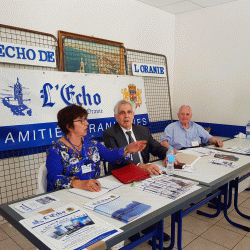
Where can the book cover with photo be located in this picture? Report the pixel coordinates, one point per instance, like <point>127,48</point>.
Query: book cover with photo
<point>118,208</point>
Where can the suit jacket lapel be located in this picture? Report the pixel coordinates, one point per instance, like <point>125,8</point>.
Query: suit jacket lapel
<point>121,138</point>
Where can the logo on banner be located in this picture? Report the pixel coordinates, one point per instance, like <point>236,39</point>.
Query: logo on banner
<point>133,95</point>
<point>15,101</point>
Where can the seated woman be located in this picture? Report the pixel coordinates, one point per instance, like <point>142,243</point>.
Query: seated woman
<point>73,161</point>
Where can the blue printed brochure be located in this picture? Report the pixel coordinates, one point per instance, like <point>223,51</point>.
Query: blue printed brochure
<point>118,208</point>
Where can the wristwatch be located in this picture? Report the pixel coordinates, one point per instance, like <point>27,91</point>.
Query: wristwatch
<point>71,180</point>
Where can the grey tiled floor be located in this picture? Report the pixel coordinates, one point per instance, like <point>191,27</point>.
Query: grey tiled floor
<point>199,233</point>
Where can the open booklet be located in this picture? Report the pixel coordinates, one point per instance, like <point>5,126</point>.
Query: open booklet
<point>106,187</point>
<point>70,227</point>
<point>116,207</point>
<point>166,186</point>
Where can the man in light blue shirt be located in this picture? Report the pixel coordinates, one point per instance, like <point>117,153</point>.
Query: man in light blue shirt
<point>185,133</point>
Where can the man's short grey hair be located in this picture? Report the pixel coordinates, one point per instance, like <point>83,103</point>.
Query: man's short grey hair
<point>184,106</point>
<point>122,102</point>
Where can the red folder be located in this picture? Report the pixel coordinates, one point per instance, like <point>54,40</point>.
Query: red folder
<point>130,173</point>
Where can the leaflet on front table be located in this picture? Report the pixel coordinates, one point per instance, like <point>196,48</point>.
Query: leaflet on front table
<point>70,227</point>
<point>106,186</point>
<point>116,207</point>
<point>42,201</point>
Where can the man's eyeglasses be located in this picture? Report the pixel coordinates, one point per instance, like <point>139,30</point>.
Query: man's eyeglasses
<point>82,121</point>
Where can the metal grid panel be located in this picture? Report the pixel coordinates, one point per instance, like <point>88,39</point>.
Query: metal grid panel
<point>19,168</point>
<point>157,92</point>
<point>27,37</point>
<point>84,56</point>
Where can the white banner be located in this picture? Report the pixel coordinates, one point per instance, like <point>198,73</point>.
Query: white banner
<point>24,54</point>
<point>142,69</point>
<point>31,99</point>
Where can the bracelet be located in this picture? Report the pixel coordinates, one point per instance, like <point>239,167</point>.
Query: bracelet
<point>71,180</point>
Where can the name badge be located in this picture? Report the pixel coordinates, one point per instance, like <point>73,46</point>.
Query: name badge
<point>195,143</point>
<point>86,168</point>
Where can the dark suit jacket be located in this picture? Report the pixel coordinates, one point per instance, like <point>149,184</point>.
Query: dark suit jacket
<point>115,138</point>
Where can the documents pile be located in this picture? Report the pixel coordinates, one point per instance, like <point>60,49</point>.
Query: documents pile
<point>166,186</point>
<point>116,207</point>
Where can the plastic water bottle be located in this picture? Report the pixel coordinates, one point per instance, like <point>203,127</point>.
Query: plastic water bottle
<point>170,162</point>
<point>248,130</point>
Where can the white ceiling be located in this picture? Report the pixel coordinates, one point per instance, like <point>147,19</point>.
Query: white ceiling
<point>178,6</point>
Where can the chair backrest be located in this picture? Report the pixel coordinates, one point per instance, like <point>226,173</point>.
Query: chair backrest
<point>42,179</point>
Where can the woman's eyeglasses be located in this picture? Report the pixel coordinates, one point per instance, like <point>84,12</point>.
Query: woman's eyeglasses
<point>82,121</point>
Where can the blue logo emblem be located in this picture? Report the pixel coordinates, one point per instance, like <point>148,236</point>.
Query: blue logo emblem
<point>14,99</point>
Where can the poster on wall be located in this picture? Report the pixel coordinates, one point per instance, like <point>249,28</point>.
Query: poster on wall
<point>30,101</point>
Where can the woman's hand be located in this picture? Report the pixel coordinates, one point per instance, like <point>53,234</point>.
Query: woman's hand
<point>134,147</point>
<point>91,185</point>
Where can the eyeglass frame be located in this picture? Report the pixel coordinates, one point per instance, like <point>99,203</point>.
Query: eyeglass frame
<point>82,121</point>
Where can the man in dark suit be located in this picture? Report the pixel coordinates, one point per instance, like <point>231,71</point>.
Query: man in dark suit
<point>116,137</point>
<point>121,134</point>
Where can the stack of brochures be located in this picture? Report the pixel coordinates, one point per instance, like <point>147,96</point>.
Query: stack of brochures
<point>116,207</point>
<point>166,186</point>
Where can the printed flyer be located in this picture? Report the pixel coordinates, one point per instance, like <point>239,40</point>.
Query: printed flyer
<point>70,227</point>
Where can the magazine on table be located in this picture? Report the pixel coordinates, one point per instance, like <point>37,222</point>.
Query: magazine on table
<point>106,186</point>
<point>116,207</point>
<point>37,203</point>
<point>166,186</point>
<point>70,227</point>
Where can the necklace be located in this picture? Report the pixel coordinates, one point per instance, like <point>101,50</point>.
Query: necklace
<point>74,146</point>
<point>78,145</point>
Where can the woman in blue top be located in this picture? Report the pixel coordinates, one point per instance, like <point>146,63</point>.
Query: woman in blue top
<point>73,161</point>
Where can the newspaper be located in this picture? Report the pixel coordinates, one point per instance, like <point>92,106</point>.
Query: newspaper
<point>69,227</point>
<point>116,207</point>
<point>166,186</point>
